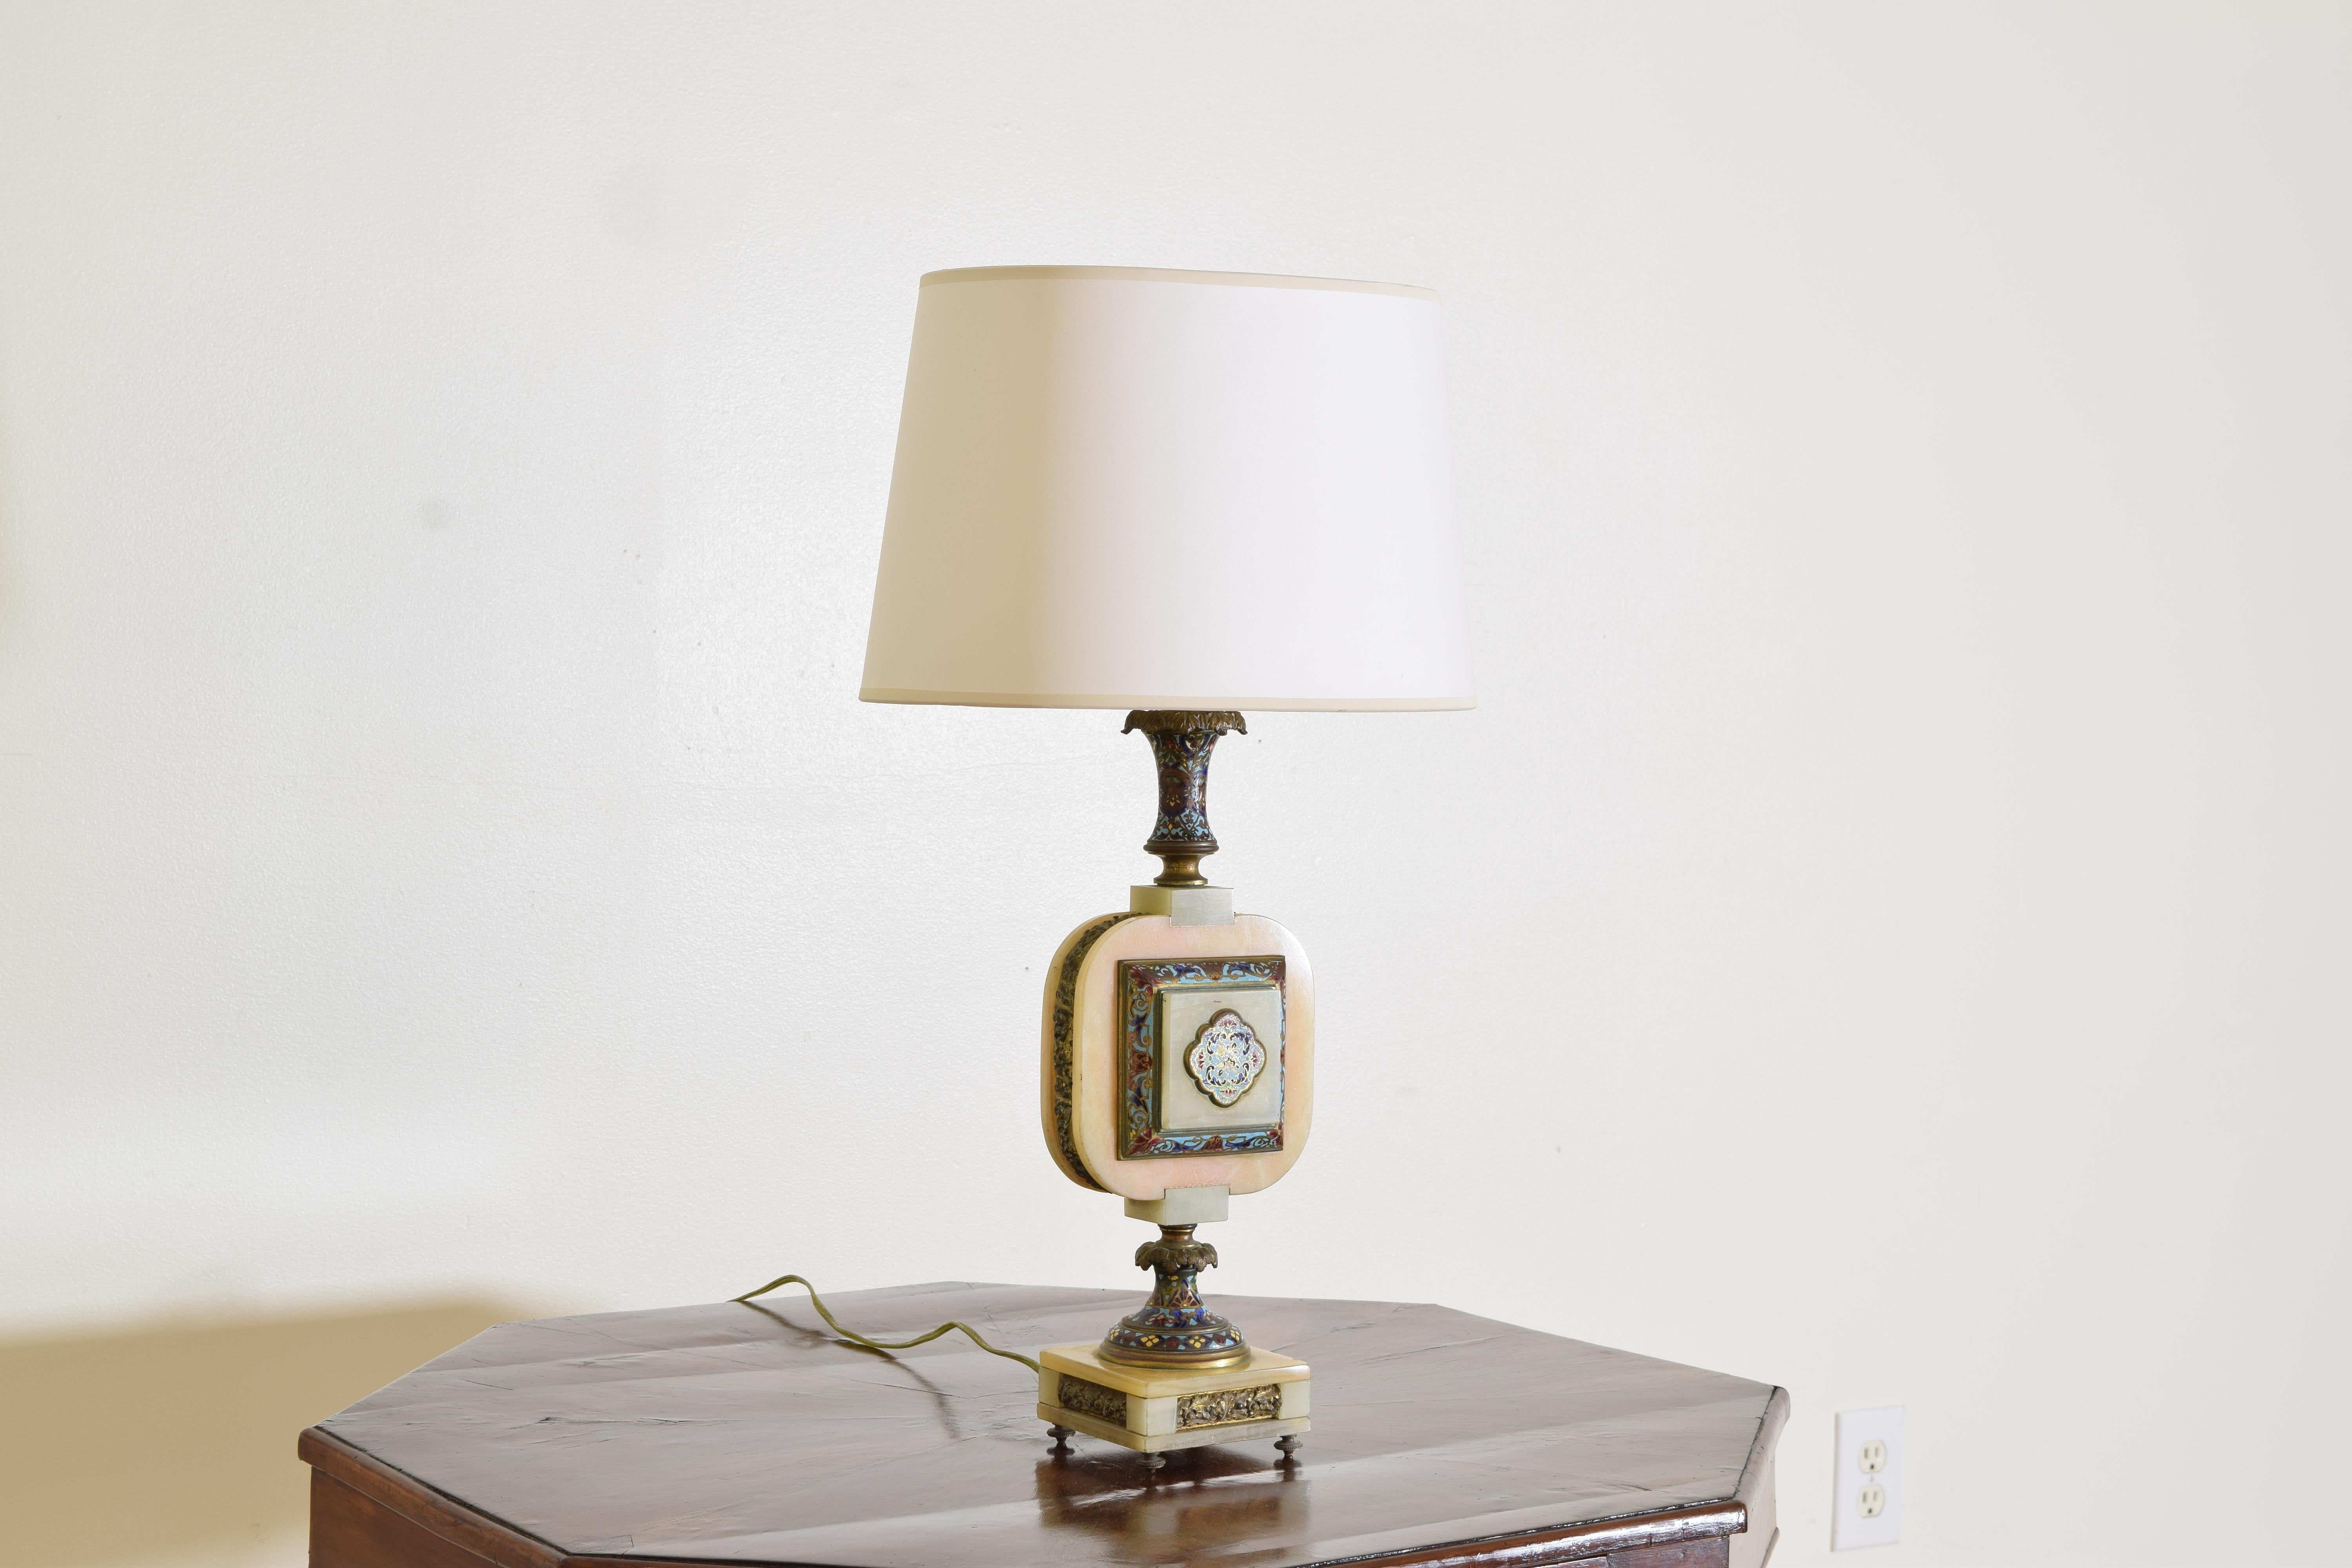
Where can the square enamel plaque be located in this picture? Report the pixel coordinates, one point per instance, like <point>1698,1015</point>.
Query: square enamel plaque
<point>1201,1057</point>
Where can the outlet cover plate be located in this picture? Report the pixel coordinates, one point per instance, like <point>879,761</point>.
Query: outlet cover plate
<point>1869,1456</point>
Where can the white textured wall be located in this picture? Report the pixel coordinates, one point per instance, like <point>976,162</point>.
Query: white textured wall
<point>1883,931</point>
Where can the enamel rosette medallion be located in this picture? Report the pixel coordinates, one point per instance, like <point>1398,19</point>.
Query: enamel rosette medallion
<point>1226,1058</point>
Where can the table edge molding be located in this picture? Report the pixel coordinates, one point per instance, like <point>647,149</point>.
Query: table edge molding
<point>459,1523</point>
<point>1587,1542</point>
<point>1760,1452</point>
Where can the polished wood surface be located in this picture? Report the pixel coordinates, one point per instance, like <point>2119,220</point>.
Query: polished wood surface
<point>737,1434</point>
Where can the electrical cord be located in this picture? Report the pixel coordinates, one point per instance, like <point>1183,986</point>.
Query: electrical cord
<point>853,1337</point>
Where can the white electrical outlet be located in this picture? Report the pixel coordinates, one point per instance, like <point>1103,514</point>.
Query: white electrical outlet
<point>1869,1507</point>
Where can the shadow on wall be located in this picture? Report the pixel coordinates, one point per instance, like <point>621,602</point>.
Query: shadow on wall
<point>178,1443</point>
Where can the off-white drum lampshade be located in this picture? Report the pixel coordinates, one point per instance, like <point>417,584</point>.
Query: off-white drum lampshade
<point>1124,487</point>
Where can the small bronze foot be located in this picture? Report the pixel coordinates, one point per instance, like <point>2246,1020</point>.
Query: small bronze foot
<point>1060,1436</point>
<point>1288,1443</point>
<point>1152,1463</point>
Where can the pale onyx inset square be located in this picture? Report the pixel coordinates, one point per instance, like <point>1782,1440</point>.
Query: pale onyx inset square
<point>1183,1011</point>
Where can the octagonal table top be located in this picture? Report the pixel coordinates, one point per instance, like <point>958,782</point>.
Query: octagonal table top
<point>736,1434</point>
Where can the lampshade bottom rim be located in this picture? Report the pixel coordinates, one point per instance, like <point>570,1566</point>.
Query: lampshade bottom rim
<point>1162,701</point>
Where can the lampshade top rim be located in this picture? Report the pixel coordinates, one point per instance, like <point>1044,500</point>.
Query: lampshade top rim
<point>1176,274</point>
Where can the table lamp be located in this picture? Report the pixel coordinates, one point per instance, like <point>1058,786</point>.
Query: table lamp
<point>1186,495</point>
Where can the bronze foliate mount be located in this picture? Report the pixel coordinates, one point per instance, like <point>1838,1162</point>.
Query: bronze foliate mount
<point>1173,1329</point>
<point>1181,740</point>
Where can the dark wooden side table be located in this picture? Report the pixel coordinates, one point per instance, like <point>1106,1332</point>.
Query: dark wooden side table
<point>742,1434</point>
